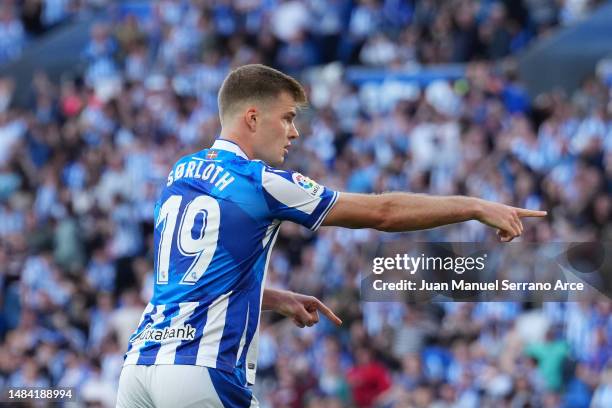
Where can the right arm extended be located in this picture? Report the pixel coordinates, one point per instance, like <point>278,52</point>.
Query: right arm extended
<point>394,212</point>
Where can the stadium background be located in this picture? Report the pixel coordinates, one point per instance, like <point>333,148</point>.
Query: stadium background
<point>421,96</point>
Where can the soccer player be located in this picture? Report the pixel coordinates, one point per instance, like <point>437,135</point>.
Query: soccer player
<point>215,225</point>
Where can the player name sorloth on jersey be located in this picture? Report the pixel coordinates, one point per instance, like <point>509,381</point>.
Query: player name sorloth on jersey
<point>186,332</point>
<point>199,169</point>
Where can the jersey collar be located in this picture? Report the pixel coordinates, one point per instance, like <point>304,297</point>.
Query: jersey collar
<point>222,144</point>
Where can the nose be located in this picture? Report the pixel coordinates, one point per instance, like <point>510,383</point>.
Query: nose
<point>293,132</point>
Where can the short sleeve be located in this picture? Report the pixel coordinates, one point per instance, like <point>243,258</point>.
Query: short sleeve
<point>294,197</point>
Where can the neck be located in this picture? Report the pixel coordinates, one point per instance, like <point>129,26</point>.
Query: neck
<point>232,136</point>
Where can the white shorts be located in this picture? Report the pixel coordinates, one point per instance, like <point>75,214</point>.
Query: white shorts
<point>181,386</point>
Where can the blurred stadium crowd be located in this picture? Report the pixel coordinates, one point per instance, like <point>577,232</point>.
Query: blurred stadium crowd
<point>81,167</point>
<point>23,21</point>
<point>314,31</point>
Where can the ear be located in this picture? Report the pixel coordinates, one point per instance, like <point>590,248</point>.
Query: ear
<point>251,116</point>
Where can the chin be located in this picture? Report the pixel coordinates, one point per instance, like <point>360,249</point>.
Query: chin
<point>274,162</point>
<point>279,161</point>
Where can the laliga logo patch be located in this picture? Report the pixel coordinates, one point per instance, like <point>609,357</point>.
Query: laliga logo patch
<point>310,186</point>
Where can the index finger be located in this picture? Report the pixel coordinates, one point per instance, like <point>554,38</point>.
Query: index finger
<point>328,313</point>
<point>522,212</point>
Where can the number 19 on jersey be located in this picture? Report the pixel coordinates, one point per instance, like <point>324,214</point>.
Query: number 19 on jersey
<point>201,247</point>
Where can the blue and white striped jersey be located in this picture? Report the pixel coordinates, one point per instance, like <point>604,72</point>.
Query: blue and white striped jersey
<point>215,226</point>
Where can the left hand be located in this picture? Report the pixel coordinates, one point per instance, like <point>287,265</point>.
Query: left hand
<point>505,218</point>
<point>304,310</point>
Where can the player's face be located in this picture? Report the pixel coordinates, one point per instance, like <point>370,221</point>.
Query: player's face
<point>276,130</point>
